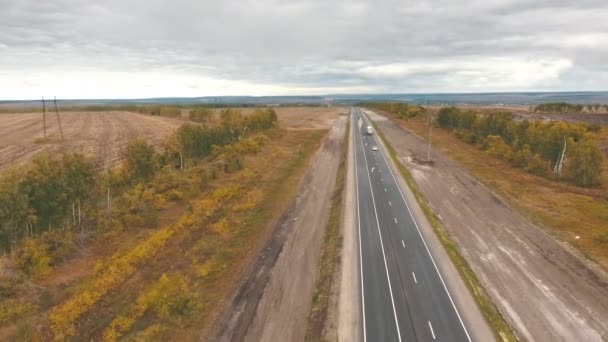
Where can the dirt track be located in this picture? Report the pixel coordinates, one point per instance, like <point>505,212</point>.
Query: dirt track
<point>545,292</point>
<point>273,302</point>
<point>98,134</point>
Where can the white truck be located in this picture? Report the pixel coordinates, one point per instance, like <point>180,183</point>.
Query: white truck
<point>369,130</point>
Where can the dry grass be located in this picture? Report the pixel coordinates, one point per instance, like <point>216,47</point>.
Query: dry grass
<point>565,210</point>
<point>210,256</point>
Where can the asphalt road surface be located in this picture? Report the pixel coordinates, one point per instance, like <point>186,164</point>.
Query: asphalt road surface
<point>404,298</point>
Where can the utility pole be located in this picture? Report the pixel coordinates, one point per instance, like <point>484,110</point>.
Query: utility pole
<point>44,117</point>
<point>58,119</point>
<point>428,153</point>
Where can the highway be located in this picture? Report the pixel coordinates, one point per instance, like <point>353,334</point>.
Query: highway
<point>403,296</point>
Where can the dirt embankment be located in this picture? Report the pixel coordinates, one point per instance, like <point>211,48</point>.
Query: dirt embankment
<point>273,301</point>
<point>545,292</point>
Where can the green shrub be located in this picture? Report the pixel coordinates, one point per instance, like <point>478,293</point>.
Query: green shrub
<point>34,259</point>
<point>584,163</point>
<point>139,160</point>
<point>201,115</point>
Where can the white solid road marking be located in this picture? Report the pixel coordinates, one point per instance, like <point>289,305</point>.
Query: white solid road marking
<point>414,275</point>
<point>427,249</point>
<point>432,332</point>
<point>384,189</point>
<point>359,226</point>
<point>403,243</point>
<point>390,288</point>
<point>395,219</point>
<point>373,168</point>
<point>389,203</point>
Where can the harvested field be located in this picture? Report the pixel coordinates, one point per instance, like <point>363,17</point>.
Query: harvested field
<point>103,134</point>
<point>309,117</point>
<point>98,134</point>
<point>303,117</point>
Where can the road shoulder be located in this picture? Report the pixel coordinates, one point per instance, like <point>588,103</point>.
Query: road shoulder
<point>349,304</point>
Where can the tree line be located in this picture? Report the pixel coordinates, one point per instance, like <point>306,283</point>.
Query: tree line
<point>401,109</point>
<point>167,111</point>
<point>59,195</point>
<point>196,141</point>
<point>556,150</point>
<point>564,107</point>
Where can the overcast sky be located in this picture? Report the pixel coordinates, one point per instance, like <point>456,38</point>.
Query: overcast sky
<point>153,48</point>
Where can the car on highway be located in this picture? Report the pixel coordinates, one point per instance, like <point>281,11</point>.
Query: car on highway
<point>375,148</point>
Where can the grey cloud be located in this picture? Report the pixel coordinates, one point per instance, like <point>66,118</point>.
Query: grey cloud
<point>318,44</point>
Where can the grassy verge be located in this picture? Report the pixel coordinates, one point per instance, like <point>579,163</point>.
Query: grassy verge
<point>219,258</point>
<point>497,323</point>
<point>330,257</point>
<point>169,281</point>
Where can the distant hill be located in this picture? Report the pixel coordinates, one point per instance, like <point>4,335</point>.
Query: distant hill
<point>521,98</point>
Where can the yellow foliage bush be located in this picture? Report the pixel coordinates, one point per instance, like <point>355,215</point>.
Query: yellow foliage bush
<point>220,227</point>
<point>116,270</point>
<point>249,201</point>
<point>225,193</point>
<point>207,268</point>
<point>204,270</point>
<point>166,296</point>
<point>260,138</point>
<point>147,334</point>
<point>108,275</point>
<point>204,207</point>
<point>34,258</point>
<point>175,194</point>
<point>11,309</point>
<point>245,176</point>
<point>159,201</point>
<point>247,146</point>
<point>186,221</point>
